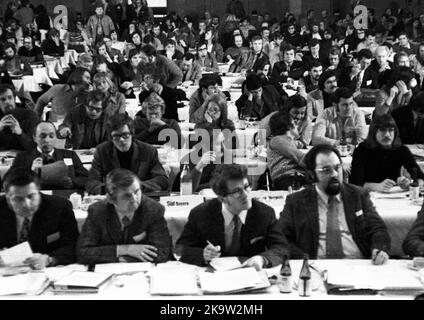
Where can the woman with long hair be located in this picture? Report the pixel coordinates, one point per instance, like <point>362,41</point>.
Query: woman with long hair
<point>114,101</point>
<point>213,46</point>
<point>377,162</point>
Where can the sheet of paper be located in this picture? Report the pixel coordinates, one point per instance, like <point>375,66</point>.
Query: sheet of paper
<point>29,283</point>
<point>225,263</point>
<point>123,268</point>
<point>168,282</point>
<point>16,255</point>
<point>57,273</point>
<point>83,279</point>
<point>228,281</point>
<point>394,193</point>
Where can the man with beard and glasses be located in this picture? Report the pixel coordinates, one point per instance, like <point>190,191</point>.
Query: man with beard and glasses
<point>331,219</point>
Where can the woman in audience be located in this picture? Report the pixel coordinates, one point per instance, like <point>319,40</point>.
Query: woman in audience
<point>128,74</point>
<point>213,46</point>
<point>114,101</point>
<point>397,92</point>
<point>283,156</point>
<point>377,162</point>
<point>136,42</point>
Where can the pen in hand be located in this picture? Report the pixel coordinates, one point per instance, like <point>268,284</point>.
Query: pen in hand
<point>215,248</point>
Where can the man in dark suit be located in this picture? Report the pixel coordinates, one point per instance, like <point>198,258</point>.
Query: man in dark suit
<point>16,124</point>
<point>332,219</point>
<point>85,125</point>
<point>192,70</point>
<point>46,154</point>
<point>313,55</point>
<point>288,68</point>
<point>125,227</point>
<point>124,152</point>
<point>46,222</point>
<point>233,225</point>
<point>257,100</point>
<point>410,120</point>
<point>247,60</point>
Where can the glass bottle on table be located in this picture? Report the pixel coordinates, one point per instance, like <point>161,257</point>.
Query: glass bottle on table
<point>186,181</point>
<point>414,187</point>
<point>304,284</point>
<point>343,144</point>
<point>285,279</point>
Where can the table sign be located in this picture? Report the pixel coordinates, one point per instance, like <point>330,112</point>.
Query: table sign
<point>181,202</point>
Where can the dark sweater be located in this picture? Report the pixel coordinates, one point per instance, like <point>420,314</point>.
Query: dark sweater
<point>125,158</point>
<point>376,165</point>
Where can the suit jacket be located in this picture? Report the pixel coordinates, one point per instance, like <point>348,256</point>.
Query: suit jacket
<point>260,235</point>
<point>369,80</point>
<point>210,63</point>
<point>413,244</point>
<point>300,222</point>
<point>296,71</point>
<point>75,120</point>
<point>404,119</point>
<point>145,164</point>
<point>92,24</point>
<point>101,232</point>
<point>27,120</point>
<point>271,102</point>
<point>194,74</point>
<point>142,133</point>
<point>53,230</point>
<point>76,172</point>
<point>247,60</point>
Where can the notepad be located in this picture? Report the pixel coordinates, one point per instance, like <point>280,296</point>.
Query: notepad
<point>16,255</point>
<point>225,263</point>
<point>23,284</point>
<point>123,268</point>
<point>87,282</point>
<point>170,282</point>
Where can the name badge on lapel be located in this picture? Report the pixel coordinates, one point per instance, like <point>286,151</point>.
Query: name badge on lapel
<point>53,237</point>
<point>369,82</point>
<point>68,161</point>
<point>358,213</point>
<point>139,237</point>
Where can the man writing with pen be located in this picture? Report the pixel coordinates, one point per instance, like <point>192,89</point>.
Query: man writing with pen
<point>233,224</point>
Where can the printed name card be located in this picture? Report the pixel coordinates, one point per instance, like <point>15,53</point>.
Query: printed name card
<point>181,202</point>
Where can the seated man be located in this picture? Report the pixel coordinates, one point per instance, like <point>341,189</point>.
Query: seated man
<point>208,86</point>
<point>381,62</point>
<point>205,59</point>
<point>404,44</point>
<point>149,123</point>
<point>53,46</point>
<point>170,51</point>
<point>16,124</point>
<point>369,42</point>
<point>413,245</point>
<point>246,60</point>
<point>257,100</point>
<point>311,80</point>
<point>233,225</point>
<point>31,51</point>
<point>321,98</point>
<point>343,121</point>
<point>46,154</point>
<point>85,125</point>
<point>314,54</point>
<point>192,71</point>
<point>335,60</point>
<point>124,152</point>
<point>288,68</point>
<point>14,64</point>
<point>126,227</point>
<point>46,222</point>
<point>332,219</point>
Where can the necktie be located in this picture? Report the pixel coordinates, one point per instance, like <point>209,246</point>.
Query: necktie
<point>24,234</point>
<point>419,131</point>
<point>334,247</point>
<point>235,240</point>
<point>125,226</point>
<point>47,159</point>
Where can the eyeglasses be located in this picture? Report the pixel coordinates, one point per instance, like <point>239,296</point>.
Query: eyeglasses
<point>239,191</point>
<point>125,136</point>
<point>329,170</point>
<point>98,110</point>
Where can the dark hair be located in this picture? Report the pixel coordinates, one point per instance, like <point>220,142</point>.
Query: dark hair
<point>324,77</point>
<point>311,156</point>
<point>117,121</point>
<point>201,43</point>
<point>224,173</point>
<point>9,45</point>
<point>149,50</point>
<point>148,38</point>
<point>139,34</point>
<point>280,123</point>
<point>400,74</point>
<point>119,179</point>
<point>315,64</point>
<point>397,57</point>
<point>378,123</point>
<point>295,101</point>
<point>76,76</point>
<point>335,50</point>
<point>188,56</point>
<point>364,53</point>
<point>169,41</point>
<point>205,82</point>
<point>342,92</point>
<point>313,43</point>
<point>402,33</point>
<point>255,38</point>
<point>94,96</point>
<point>369,32</point>
<point>53,33</point>
<point>20,177</point>
<point>4,87</point>
<point>253,82</point>
<point>132,53</point>
<point>287,47</point>
<point>387,44</point>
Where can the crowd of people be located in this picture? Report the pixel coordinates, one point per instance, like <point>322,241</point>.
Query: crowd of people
<point>124,53</point>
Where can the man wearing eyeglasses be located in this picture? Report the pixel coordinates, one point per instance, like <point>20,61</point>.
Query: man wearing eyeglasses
<point>233,224</point>
<point>58,168</point>
<point>85,125</point>
<point>125,152</point>
<point>331,219</point>
<point>206,60</point>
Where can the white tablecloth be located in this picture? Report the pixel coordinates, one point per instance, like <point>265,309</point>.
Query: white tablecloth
<point>27,83</point>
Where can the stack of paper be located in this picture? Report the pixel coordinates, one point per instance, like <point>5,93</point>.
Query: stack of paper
<point>16,255</point>
<point>123,268</point>
<point>235,281</point>
<point>225,263</point>
<point>169,282</point>
<point>59,272</point>
<point>24,284</point>
<point>81,282</point>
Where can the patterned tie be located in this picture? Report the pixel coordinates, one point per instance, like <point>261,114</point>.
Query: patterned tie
<point>47,159</point>
<point>334,247</point>
<point>25,229</point>
<point>235,240</point>
<point>125,227</point>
